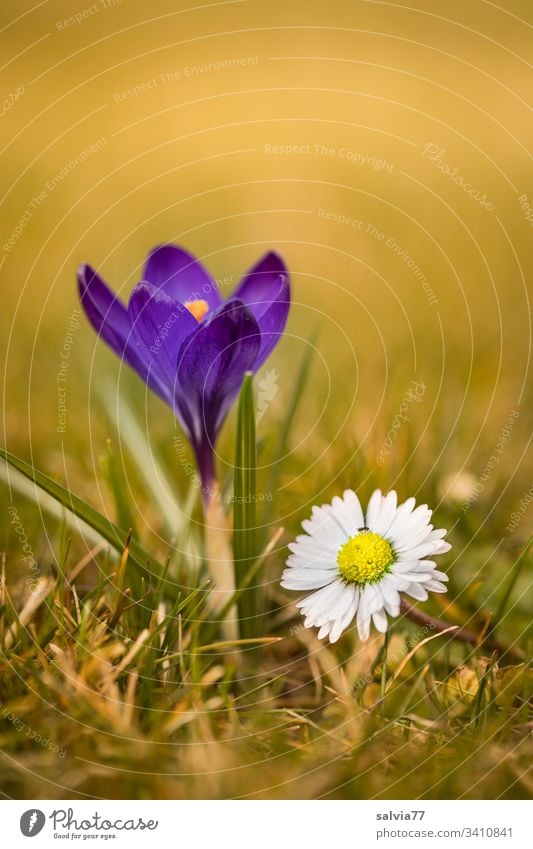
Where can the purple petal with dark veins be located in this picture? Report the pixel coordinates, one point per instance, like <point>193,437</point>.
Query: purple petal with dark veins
<point>160,325</point>
<point>266,292</point>
<point>211,366</point>
<point>181,276</point>
<point>110,319</point>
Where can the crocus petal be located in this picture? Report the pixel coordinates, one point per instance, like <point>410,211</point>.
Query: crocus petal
<point>211,366</point>
<point>110,319</point>
<point>160,326</point>
<point>181,276</point>
<point>266,292</point>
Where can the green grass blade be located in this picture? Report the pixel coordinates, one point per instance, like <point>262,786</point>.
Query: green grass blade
<point>244,491</point>
<point>115,536</point>
<point>17,482</point>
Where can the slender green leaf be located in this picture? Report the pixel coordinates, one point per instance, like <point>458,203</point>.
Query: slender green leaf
<point>16,481</point>
<point>244,495</point>
<point>115,536</point>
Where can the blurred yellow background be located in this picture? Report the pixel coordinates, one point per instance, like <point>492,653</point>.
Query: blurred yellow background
<point>380,147</point>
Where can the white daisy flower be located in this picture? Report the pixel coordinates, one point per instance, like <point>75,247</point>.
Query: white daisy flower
<point>359,566</point>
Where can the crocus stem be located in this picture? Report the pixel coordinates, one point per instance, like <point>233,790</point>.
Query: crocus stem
<point>206,466</point>
<point>217,548</point>
<point>219,558</point>
<point>463,634</point>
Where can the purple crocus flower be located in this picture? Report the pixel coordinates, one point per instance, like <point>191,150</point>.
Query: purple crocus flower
<point>188,346</point>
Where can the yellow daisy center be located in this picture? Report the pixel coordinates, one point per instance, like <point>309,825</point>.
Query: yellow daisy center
<point>197,308</point>
<point>365,558</point>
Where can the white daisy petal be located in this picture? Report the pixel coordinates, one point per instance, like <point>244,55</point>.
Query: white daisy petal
<point>382,522</point>
<point>374,508</point>
<point>336,631</point>
<point>307,544</point>
<point>418,534</point>
<point>322,596</point>
<point>442,547</point>
<point>439,576</point>
<point>306,579</point>
<point>354,506</point>
<point>341,614</point>
<point>391,597</point>
<point>438,534</point>
<point>399,583</point>
<point>413,566</point>
<point>417,577</point>
<point>347,512</point>
<point>420,551</point>
<point>351,611</point>
<point>402,566</point>
<point>336,608</point>
<point>417,591</point>
<point>324,631</point>
<point>302,561</point>
<point>316,606</point>
<point>373,598</point>
<point>322,526</point>
<point>401,518</point>
<point>380,620</point>
<point>363,621</point>
<point>436,586</point>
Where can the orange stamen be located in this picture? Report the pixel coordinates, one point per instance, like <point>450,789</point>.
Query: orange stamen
<point>197,308</point>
